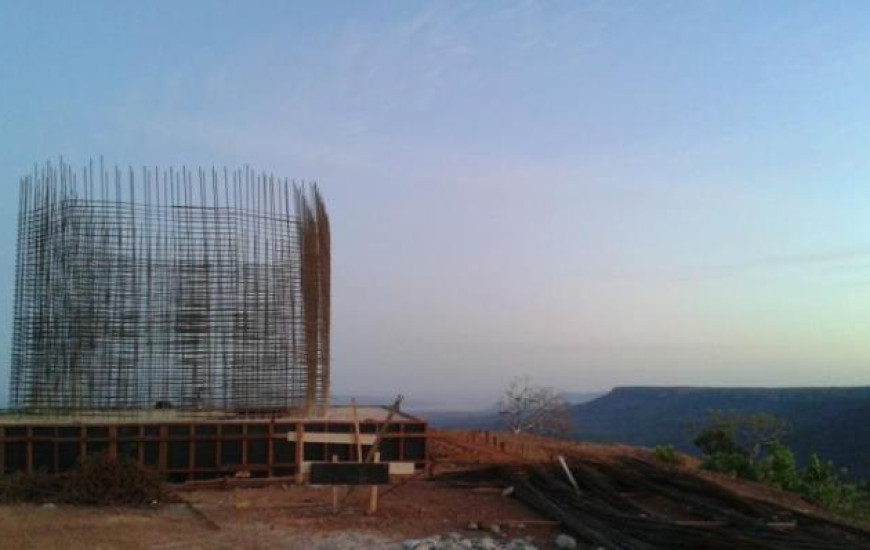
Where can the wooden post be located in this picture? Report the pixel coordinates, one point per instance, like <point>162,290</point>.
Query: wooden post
<point>270,456</point>
<point>383,429</point>
<point>29,447</point>
<point>373,495</point>
<point>113,442</point>
<point>356,437</point>
<point>568,473</point>
<point>334,490</point>
<point>300,448</point>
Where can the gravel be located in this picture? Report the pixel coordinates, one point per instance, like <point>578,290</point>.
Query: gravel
<point>455,541</point>
<point>564,542</point>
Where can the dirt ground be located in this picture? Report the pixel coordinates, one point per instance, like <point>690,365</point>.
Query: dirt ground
<point>279,516</point>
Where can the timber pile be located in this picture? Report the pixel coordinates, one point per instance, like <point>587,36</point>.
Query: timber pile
<point>635,504</point>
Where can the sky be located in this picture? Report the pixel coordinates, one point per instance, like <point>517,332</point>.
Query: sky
<point>591,193</point>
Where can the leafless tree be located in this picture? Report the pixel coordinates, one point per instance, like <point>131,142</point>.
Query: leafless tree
<point>527,408</point>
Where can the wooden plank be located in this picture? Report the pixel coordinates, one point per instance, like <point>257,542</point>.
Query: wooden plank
<point>333,438</point>
<point>401,468</point>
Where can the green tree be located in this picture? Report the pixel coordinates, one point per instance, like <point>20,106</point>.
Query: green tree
<point>752,432</point>
<point>721,449</point>
<point>779,467</point>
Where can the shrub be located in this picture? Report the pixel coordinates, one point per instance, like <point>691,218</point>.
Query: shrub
<point>99,481</point>
<point>732,464</point>
<point>668,454</point>
<point>779,467</point>
<point>823,483</point>
<point>36,488</point>
<point>104,482</point>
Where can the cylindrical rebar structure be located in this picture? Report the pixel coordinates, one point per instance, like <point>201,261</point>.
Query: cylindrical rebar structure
<point>198,289</point>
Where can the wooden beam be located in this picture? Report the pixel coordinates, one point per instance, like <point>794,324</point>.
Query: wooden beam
<point>335,491</point>
<point>393,410</point>
<point>300,451</point>
<point>356,436</point>
<point>334,438</point>
<point>373,494</point>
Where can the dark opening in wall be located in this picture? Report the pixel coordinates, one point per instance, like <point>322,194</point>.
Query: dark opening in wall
<point>178,455</point>
<point>283,451</point>
<point>68,455</point>
<point>231,452</point>
<point>415,449</point>
<point>96,448</point>
<point>15,456</point>
<point>206,454</point>
<point>258,451</point>
<point>151,454</point>
<point>43,457</point>
<point>389,449</point>
<point>128,450</point>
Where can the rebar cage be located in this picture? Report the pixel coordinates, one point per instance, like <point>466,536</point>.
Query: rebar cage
<point>199,289</point>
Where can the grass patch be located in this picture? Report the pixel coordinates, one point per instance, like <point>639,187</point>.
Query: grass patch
<point>668,454</point>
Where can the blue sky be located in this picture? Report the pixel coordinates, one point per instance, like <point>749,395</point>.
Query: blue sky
<point>590,192</point>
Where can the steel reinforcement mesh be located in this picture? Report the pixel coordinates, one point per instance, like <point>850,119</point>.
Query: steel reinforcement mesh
<point>197,289</point>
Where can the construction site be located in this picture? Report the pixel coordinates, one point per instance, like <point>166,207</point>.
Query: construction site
<point>179,320</point>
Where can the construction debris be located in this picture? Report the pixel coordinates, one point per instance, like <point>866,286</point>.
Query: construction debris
<point>622,498</point>
<point>637,505</point>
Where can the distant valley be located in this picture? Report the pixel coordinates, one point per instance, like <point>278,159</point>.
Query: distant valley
<point>833,422</point>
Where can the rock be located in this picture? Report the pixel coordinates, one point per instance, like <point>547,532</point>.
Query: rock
<point>466,543</point>
<point>487,543</point>
<point>472,526</point>
<point>49,505</point>
<point>454,536</point>
<point>495,529</point>
<point>508,492</point>
<point>565,542</point>
<point>410,544</point>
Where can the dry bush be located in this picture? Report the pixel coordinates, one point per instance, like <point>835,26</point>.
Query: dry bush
<point>98,481</point>
<point>35,488</point>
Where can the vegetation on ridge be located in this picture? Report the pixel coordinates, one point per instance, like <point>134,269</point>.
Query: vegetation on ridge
<point>748,446</point>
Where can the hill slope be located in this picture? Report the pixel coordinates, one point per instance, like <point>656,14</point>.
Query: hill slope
<point>834,422</point>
